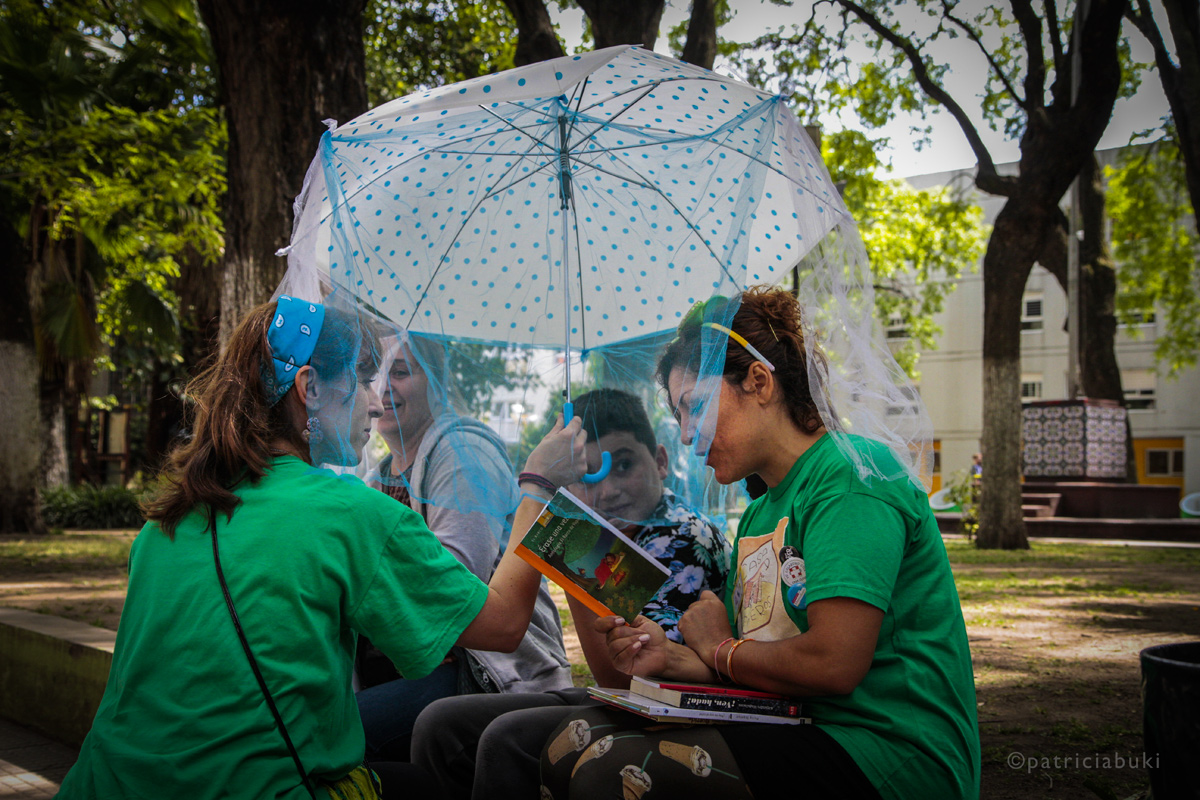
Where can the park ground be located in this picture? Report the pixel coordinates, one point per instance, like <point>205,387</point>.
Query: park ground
<point>1055,634</point>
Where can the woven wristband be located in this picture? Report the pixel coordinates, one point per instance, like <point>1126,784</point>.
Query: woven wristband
<point>716,658</point>
<point>536,480</point>
<point>729,659</point>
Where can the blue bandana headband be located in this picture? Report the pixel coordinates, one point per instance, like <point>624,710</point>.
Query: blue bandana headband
<point>292,338</point>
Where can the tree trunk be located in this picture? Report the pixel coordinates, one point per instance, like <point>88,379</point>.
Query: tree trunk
<point>20,446</point>
<point>62,448</point>
<point>20,443</point>
<point>701,45</point>
<point>1099,372</point>
<point>199,293</point>
<point>536,40</point>
<point>284,68</point>
<point>1006,267</point>
<point>624,21</point>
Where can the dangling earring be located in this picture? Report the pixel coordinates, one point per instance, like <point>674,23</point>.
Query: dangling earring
<point>312,431</point>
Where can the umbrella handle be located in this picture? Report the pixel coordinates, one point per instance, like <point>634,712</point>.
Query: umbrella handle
<point>605,456</point>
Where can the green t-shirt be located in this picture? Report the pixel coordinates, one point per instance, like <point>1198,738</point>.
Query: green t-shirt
<point>911,724</point>
<point>310,559</point>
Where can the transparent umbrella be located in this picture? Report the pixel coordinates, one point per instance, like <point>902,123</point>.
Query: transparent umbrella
<point>582,204</point>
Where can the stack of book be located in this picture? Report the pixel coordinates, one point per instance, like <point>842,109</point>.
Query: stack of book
<point>675,701</point>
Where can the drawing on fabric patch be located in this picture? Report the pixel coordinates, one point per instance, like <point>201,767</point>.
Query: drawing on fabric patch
<point>758,574</point>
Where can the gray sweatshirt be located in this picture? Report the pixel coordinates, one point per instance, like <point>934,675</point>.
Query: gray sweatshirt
<point>463,486</point>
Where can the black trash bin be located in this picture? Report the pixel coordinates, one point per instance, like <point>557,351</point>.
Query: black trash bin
<point>1171,719</point>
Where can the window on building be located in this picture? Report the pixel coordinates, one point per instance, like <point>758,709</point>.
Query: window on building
<point>1164,463</point>
<point>912,394</point>
<point>1031,313</point>
<point>896,329</point>
<point>1133,319</point>
<point>1031,387</point>
<point>1141,388</point>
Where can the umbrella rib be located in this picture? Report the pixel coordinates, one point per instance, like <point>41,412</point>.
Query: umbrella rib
<point>363,185</point>
<point>518,129</point>
<point>724,146</point>
<point>500,189</point>
<point>579,92</point>
<point>646,185</point>
<point>609,121</point>
<point>457,234</point>
<point>630,90</point>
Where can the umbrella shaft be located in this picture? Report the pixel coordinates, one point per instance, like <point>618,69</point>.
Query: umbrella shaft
<point>564,163</point>
<point>564,177</point>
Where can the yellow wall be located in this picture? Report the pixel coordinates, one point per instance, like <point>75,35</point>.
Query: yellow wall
<point>1140,446</point>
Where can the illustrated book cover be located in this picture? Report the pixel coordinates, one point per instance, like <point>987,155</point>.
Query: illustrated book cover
<point>661,712</point>
<point>590,559</point>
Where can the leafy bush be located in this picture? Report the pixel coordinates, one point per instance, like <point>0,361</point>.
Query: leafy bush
<point>96,507</point>
<point>963,491</point>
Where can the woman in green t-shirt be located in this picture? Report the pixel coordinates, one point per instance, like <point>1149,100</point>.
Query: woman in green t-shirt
<point>841,594</point>
<point>258,568</point>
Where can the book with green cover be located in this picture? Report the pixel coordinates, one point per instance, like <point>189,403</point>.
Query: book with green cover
<point>590,559</point>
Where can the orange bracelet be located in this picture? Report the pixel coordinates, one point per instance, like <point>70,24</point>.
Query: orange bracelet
<point>729,659</point>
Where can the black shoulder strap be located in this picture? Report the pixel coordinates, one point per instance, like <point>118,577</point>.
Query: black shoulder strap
<point>262,683</point>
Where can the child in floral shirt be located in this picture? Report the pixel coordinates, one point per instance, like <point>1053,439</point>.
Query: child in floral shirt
<point>489,741</point>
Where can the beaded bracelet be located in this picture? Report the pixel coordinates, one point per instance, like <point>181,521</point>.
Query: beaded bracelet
<point>536,480</point>
<point>716,659</point>
<point>729,659</point>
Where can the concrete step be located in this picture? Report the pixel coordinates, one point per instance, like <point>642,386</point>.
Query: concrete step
<point>52,673</point>
<point>1036,510</point>
<point>1049,500</point>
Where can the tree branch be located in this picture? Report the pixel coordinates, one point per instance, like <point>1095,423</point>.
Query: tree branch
<point>1181,83</point>
<point>1054,30</point>
<point>973,35</point>
<point>1031,32</point>
<point>987,179</point>
<point>1100,71</point>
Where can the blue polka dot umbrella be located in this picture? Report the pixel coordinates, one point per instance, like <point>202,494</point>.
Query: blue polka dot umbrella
<point>575,204</point>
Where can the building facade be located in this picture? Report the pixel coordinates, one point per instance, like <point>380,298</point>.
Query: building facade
<point>1164,412</point>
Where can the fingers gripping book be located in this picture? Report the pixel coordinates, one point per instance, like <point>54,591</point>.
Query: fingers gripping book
<point>590,559</point>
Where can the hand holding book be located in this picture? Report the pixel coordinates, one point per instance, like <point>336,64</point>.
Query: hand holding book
<point>636,648</point>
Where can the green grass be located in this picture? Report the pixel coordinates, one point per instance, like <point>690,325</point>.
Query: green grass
<point>1062,570</point>
<point>1041,554</point>
<point>64,554</point>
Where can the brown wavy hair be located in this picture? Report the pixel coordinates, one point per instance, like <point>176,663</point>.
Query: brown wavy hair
<point>770,319</point>
<point>232,429</point>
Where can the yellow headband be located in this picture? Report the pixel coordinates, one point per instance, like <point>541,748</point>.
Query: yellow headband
<point>737,337</point>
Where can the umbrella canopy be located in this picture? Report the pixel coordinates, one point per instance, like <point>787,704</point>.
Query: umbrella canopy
<point>585,204</point>
<point>657,182</point>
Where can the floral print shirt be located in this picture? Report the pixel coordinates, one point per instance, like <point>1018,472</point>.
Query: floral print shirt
<point>695,551</point>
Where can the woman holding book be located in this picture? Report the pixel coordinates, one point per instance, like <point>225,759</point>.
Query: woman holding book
<point>257,568</point>
<point>841,595</point>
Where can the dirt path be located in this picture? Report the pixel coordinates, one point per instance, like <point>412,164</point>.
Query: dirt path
<point>1055,645</point>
